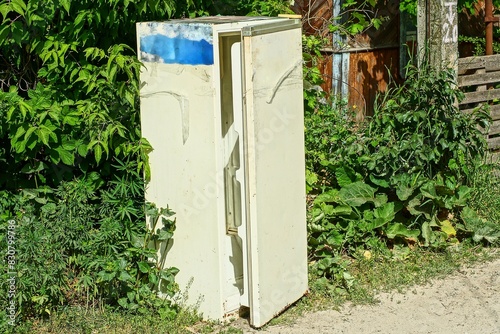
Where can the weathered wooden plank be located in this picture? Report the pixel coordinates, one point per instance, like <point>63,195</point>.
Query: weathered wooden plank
<point>490,63</point>
<point>483,96</point>
<point>494,143</point>
<point>495,112</point>
<point>494,128</point>
<point>470,110</point>
<point>478,79</point>
<point>325,66</point>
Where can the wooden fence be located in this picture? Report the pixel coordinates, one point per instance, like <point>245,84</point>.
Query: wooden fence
<point>479,77</point>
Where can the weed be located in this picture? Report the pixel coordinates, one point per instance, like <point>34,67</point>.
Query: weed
<point>485,198</point>
<point>400,179</point>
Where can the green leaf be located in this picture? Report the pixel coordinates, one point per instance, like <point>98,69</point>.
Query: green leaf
<point>79,18</point>
<point>357,193</point>
<point>404,192</point>
<point>380,200</point>
<point>67,157</point>
<point>69,145</point>
<point>356,28</point>
<point>125,277</point>
<point>97,152</point>
<point>376,23</point>
<point>429,190</point>
<point>379,182</point>
<point>340,210</point>
<point>19,6</point>
<point>5,9</point>
<point>43,134</point>
<point>144,267</point>
<point>20,131</point>
<point>130,97</point>
<point>482,229</point>
<point>165,235</point>
<point>54,156</point>
<point>25,108</point>
<point>153,278</point>
<point>66,5</point>
<point>331,196</point>
<point>106,276</point>
<point>28,133</point>
<point>335,239</point>
<point>463,194</point>
<point>452,164</point>
<point>399,230</point>
<point>131,296</point>
<point>82,150</point>
<point>172,271</point>
<point>385,212</point>
<point>345,175</point>
<point>123,302</point>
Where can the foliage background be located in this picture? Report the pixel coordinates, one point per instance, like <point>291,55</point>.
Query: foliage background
<point>73,159</point>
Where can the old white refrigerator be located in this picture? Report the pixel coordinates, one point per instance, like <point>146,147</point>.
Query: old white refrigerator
<point>222,106</point>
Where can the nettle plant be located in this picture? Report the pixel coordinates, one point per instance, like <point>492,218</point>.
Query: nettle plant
<point>400,178</point>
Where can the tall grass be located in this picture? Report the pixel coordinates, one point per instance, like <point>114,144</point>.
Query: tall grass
<point>485,199</point>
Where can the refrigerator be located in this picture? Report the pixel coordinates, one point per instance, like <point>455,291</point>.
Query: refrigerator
<point>222,105</point>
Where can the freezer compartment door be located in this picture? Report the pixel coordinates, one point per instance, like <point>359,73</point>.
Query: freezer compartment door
<point>275,171</point>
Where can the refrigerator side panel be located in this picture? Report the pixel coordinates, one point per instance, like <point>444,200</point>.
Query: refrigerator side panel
<point>177,117</point>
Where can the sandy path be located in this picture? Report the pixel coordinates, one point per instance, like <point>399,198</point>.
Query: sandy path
<point>466,302</point>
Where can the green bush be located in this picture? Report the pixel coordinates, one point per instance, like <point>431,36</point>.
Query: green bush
<point>401,177</point>
<point>73,160</point>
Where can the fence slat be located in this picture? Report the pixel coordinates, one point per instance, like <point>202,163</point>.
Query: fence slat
<point>494,143</point>
<point>490,63</point>
<point>478,73</point>
<point>483,96</point>
<point>478,79</point>
<point>494,128</point>
<point>495,112</point>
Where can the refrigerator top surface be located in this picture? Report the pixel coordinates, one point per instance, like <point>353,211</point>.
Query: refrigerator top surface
<point>214,20</point>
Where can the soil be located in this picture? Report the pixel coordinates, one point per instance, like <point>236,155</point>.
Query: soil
<point>466,302</point>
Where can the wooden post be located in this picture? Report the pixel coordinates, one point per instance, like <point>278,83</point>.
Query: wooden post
<point>437,33</point>
<point>489,19</point>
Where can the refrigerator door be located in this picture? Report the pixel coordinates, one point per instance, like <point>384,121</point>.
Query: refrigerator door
<point>275,171</point>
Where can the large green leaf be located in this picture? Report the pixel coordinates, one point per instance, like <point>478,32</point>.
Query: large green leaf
<point>380,200</point>
<point>481,228</point>
<point>331,195</point>
<point>404,192</point>
<point>66,156</point>
<point>357,193</point>
<point>429,190</point>
<point>386,212</point>
<point>379,181</point>
<point>400,230</point>
<point>346,175</point>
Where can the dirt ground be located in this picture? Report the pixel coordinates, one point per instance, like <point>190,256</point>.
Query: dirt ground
<point>464,303</point>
